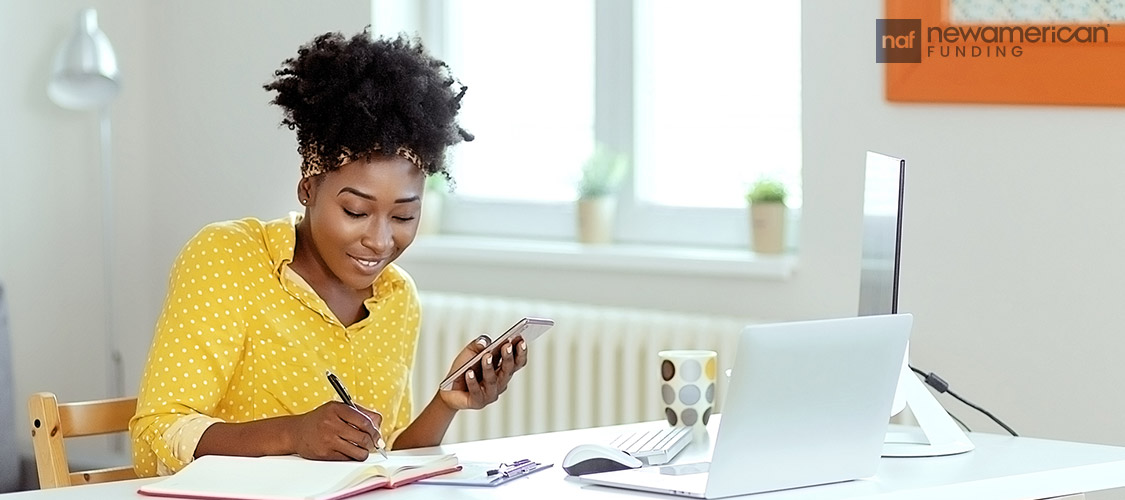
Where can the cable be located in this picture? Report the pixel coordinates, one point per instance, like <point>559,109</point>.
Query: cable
<point>937,380</point>
<point>959,422</point>
<point>941,386</point>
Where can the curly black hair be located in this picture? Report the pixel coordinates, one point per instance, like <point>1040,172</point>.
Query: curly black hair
<point>361,94</point>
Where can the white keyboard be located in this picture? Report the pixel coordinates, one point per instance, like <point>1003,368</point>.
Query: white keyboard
<point>656,446</point>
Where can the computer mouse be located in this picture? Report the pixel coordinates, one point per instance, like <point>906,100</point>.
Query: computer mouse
<point>591,458</point>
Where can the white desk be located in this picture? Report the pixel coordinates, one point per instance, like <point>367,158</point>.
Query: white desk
<point>1001,467</point>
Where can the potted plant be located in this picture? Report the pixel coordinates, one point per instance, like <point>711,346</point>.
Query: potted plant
<point>601,176</point>
<point>767,215</point>
<point>432,197</point>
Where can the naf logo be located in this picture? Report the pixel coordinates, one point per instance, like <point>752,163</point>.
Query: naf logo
<point>898,40</point>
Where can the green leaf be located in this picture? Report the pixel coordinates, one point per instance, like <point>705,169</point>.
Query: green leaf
<point>602,173</point>
<point>767,190</point>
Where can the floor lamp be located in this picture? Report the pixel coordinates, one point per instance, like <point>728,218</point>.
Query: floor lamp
<point>84,77</point>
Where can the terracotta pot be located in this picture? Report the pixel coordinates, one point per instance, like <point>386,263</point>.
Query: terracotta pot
<point>767,227</point>
<point>595,220</point>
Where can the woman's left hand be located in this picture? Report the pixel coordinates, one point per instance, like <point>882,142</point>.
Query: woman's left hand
<point>473,391</point>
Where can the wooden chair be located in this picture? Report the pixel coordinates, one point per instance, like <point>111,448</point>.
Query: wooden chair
<point>51,422</point>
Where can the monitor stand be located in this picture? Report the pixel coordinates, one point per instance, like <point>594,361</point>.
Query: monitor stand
<point>937,434</point>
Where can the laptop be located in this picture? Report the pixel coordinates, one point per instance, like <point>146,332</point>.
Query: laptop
<point>807,404</point>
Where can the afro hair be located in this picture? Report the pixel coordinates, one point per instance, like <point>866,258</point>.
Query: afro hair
<point>365,95</point>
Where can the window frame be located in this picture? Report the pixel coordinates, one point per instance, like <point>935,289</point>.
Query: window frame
<point>637,222</point>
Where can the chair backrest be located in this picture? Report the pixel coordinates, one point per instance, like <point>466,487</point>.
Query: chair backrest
<point>51,422</point>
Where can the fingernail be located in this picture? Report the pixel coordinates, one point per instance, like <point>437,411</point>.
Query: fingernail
<point>470,375</point>
<point>508,348</point>
<point>381,443</point>
<point>523,346</point>
<point>488,359</point>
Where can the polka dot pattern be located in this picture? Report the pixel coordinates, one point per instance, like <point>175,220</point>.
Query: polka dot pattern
<point>242,337</point>
<point>667,370</point>
<point>690,370</point>
<point>667,394</point>
<point>688,386</point>
<point>689,394</point>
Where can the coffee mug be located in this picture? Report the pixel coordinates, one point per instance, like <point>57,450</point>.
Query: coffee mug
<point>687,386</point>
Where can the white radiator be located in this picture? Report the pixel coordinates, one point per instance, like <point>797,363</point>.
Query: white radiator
<point>596,366</point>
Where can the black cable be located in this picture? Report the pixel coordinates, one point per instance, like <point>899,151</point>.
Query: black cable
<point>941,386</point>
<point>939,381</point>
<point>959,422</point>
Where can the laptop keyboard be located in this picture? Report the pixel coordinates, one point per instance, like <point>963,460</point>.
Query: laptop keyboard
<point>656,446</point>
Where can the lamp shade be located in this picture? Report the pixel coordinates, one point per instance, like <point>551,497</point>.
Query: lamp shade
<point>84,74</point>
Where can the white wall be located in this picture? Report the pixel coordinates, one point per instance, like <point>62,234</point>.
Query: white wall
<point>50,203</point>
<point>195,140</point>
<point>1010,259</point>
<point>1012,234</point>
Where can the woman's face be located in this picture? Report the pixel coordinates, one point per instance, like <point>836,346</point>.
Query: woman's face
<point>363,215</point>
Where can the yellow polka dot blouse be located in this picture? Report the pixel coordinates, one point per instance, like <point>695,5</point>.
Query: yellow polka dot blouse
<point>242,337</point>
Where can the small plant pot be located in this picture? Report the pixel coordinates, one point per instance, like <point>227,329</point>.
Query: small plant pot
<point>767,227</point>
<point>595,220</point>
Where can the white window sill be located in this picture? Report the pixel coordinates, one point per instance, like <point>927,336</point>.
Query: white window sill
<point>616,257</point>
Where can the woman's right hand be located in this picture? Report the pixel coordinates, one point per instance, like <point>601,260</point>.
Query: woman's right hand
<point>336,431</point>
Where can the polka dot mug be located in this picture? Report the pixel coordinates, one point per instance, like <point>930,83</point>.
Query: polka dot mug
<point>687,387</point>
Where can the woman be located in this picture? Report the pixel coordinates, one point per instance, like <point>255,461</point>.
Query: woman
<point>257,312</point>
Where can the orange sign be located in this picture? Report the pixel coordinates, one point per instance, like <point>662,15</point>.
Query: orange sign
<point>1010,63</point>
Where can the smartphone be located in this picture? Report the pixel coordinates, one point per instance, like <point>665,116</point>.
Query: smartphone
<point>527,329</point>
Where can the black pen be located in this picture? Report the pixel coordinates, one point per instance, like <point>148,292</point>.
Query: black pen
<point>514,467</point>
<point>348,401</point>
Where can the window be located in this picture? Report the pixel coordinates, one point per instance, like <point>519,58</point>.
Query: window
<point>718,91</point>
<point>704,93</point>
<point>529,104</point>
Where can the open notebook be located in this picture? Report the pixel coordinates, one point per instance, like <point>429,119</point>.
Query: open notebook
<point>295,478</point>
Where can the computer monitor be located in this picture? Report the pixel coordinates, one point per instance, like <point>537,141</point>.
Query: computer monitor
<point>883,191</point>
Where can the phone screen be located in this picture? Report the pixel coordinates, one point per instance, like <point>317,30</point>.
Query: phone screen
<point>527,329</point>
